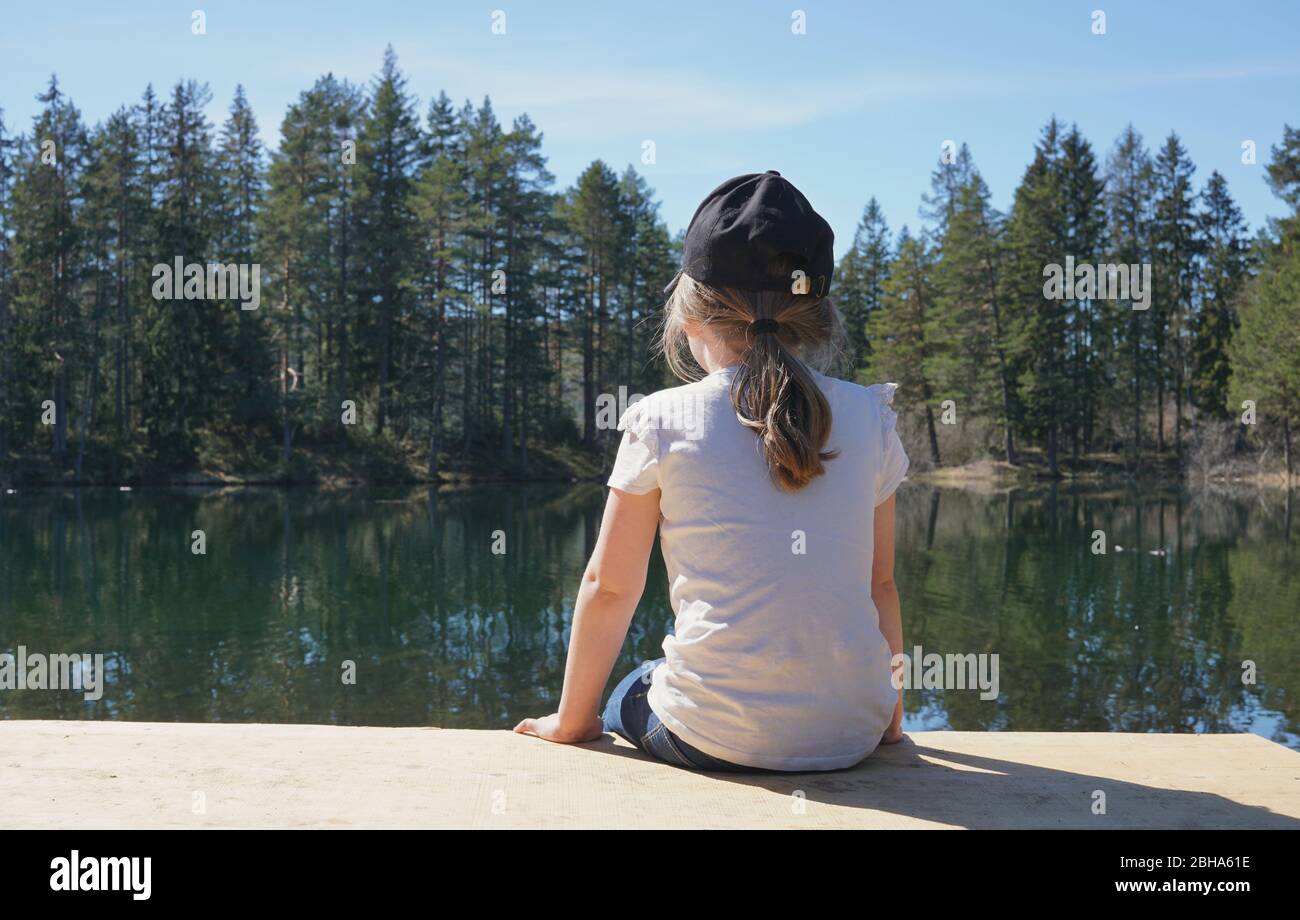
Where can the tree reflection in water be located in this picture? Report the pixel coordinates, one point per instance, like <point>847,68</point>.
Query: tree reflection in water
<point>444,632</point>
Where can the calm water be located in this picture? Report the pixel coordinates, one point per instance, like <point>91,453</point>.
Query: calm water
<point>444,632</point>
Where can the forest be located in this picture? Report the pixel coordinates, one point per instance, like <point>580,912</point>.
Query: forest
<point>1196,372</point>
<point>429,304</point>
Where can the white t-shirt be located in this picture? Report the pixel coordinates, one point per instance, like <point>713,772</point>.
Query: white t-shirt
<point>777,660</point>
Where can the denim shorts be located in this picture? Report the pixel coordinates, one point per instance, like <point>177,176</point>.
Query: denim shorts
<point>628,715</point>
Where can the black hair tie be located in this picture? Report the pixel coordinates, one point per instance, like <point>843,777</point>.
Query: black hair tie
<point>766,325</point>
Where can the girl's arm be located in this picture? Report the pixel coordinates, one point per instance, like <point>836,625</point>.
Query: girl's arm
<point>611,588</point>
<point>885,595</point>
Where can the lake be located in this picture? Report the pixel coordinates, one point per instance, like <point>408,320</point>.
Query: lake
<point>443,631</point>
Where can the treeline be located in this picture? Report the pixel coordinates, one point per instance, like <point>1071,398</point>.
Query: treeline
<point>429,297</point>
<point>426,291</point>
<point>959,313</point>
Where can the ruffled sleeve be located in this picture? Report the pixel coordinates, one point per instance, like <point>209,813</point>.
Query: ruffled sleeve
<point>636,467</point>
<point>893,459</point>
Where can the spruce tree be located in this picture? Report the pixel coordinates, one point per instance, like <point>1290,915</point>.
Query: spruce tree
<point>1225,264</point>
<point>117,213</point>
<point>482,259</point>
<point>860,282</point>
<point>8,147</point>
<point>439,207</point>
<point>241,179</point>
<point>1175,242</point>
<point>647,264</point>
<point>1038,237</point>
<point>523,205</point>
<point>949,177</point>
<point>596,239</point>
<point>903,329</point>
<point>49,263</point>
<point>1082,190</point>
<point>1263,351</point>
<point>187,346</point>
<point>972,338</point>
<point>388,160</point>
<point>1129,196</point>
<point>294,243</point>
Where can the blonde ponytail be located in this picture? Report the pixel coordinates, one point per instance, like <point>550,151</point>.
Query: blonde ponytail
<point>773,391</point>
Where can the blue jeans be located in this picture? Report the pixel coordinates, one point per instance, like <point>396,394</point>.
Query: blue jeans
<point>628,715</point>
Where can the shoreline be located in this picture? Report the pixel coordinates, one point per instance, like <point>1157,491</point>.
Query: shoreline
<point>324,483</point>
<point>998,476</point>
<point>982,476</point>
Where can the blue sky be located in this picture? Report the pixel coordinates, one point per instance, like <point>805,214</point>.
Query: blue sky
<point>857,106</point>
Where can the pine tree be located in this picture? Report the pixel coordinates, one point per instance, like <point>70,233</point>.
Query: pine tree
<point>186,345</point>
<point>1283,177</point>
<point>1174,234</point>
<point>336,106</point>
<point>7,151</point>
<point>439,208</point>
<point>241,174</point>
<point>524,204</point>
<point>596,236</point>
<point>860,285</point>
<point>240,165</point>
<point>1225,264</point>
<point>481,258</point>
<point>49,260</point>
<point>903,329</point>
<point>295,243</point>
<point>1129,195</point>
<point>1263,351</point>
<point>1037,237</point>
<point>1085,318</point>
<point>117,213</point>
<point>946,182</point>
<point>973,337</point>
<point>648,261</point>
<point>388,154</point>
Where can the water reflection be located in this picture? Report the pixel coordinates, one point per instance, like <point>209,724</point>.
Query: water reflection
<point>1149,637</point>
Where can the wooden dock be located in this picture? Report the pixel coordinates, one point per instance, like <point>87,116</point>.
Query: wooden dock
<point>159,775</point>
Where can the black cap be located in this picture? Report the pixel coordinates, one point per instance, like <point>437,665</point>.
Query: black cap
<point>747,227</point>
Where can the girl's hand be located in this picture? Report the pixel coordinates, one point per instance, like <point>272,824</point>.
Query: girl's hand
<point>894,733</point>
<point>549,728</point>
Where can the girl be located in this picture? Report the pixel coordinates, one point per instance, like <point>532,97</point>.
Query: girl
<point>771,487</point>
